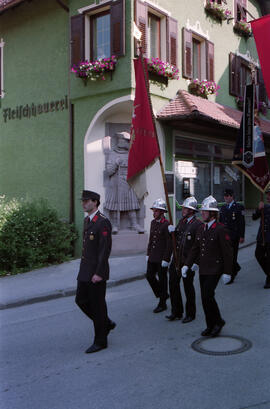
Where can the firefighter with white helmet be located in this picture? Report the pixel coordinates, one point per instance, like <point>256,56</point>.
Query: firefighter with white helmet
<point>212,250</point>
<point>185,233</point>
<point>159,252</point>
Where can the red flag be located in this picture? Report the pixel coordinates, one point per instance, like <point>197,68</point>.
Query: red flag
<point>144,148</point>
<point>261,32</point>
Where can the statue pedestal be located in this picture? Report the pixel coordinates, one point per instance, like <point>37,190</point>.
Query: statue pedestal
<point>128,242</point>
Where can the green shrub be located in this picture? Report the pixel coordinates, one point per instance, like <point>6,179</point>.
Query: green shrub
<point>31,235</point>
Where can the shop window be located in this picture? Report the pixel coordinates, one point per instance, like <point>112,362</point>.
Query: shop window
<point>197,57</point>
<point>1,69</point>
<point>240,75</point>
<point>99,32</point>
<point>202,169</point>
<point>159,32</point>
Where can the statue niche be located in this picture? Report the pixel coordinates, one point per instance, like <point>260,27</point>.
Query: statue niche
<point>120,198</point>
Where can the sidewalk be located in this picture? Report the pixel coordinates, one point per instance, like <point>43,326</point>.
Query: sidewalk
<point>60,280</point>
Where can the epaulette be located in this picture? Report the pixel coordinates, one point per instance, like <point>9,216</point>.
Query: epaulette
<point>103,215</point>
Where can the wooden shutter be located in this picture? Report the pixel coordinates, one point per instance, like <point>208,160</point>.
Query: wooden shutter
<point>118,28</point>
<point>234,72</point>
<point>142,23</point>
<point>77,40</point>
<point>262,90</point>
<point>172,41</point>
<point>210,67</point>
<point>244,7</point>
<point>186,53</point>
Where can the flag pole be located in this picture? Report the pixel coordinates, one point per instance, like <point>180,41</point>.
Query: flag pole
<point>160,159</point>
<point>257,119</point>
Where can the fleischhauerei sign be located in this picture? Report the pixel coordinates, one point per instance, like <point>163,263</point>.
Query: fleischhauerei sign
<point>28,111</point>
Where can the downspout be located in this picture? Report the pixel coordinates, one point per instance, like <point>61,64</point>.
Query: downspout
<point>70,127</point>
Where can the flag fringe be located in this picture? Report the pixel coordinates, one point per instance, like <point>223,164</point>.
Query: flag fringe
<point>235,163</point>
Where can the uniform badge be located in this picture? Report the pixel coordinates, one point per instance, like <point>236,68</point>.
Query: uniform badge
<point>189,237</point>
<point>91,237</point>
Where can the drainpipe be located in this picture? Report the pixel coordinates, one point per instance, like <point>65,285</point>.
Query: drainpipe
<point>70,127</point>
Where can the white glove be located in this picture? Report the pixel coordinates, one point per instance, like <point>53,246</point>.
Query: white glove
<point>164,263</point>
<point>184,270</point>
<point>226,278</point>
<point>171,228</point>
<point>146,258</point>
<point>195,268</point>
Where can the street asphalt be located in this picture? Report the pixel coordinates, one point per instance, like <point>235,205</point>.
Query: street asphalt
<point>60,280</point>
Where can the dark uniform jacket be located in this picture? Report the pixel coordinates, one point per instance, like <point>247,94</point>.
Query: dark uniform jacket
<point>97,244</point>
<point>185,234</point>
<point>159,245</point>
<point>234,219</point>
<point>257,215</point>
<point>212,250</point>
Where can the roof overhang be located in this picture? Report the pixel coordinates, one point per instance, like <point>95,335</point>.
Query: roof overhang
<point>197,116</point>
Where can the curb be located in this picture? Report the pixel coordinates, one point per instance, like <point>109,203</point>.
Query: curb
<point>66,293</point>
<point>72,291</point>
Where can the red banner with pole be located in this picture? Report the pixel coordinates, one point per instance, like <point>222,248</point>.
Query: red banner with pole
<point>144,148</point>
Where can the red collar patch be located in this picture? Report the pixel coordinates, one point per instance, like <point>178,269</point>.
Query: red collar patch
<point>95,218</point>
<point>214,225</point>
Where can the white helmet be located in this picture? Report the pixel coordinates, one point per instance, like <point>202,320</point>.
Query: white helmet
<point>159,204</point>
<point>210,203</point>
<point>190,203</point>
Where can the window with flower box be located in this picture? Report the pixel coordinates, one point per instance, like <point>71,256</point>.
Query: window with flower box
<point>197,56</point>
<point>240,75</point>
<point>1,69</point>
<point>98,32</point>
<point>159,32</point>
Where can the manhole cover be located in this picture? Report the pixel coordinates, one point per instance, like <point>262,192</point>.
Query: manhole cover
<point>221,345</point>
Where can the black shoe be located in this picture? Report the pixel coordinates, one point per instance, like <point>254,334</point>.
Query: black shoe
<point>217,328</point>
<point>160,308</point>
<point>267,282</point>
<point>95,348</point>
<point>206,332</point>
<point>111,326</point>
<point>187,319</point>
<point>173,317</point>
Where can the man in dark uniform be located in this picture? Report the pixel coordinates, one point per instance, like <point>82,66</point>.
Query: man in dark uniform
<point>232,215</point>
<point>213,251</point>
<point>94,270</point>
<point>262,252</point>
<point>185,233</point>
<point>159,252</point>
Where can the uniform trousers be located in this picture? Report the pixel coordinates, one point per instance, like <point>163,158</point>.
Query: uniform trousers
<point>90,297</point>
<point>208,284</point>
<point>262,254</point>
<point>235,267</point>
<point>175,292</point>
<point>160,285</point>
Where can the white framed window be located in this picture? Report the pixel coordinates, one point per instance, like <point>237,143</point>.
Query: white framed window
<point>98,31</point>
<point>2,93</point>
<point>159,32</point>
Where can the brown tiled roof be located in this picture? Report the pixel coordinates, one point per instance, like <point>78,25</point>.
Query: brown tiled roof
<point>6,4</point>
<point>186,105</point>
